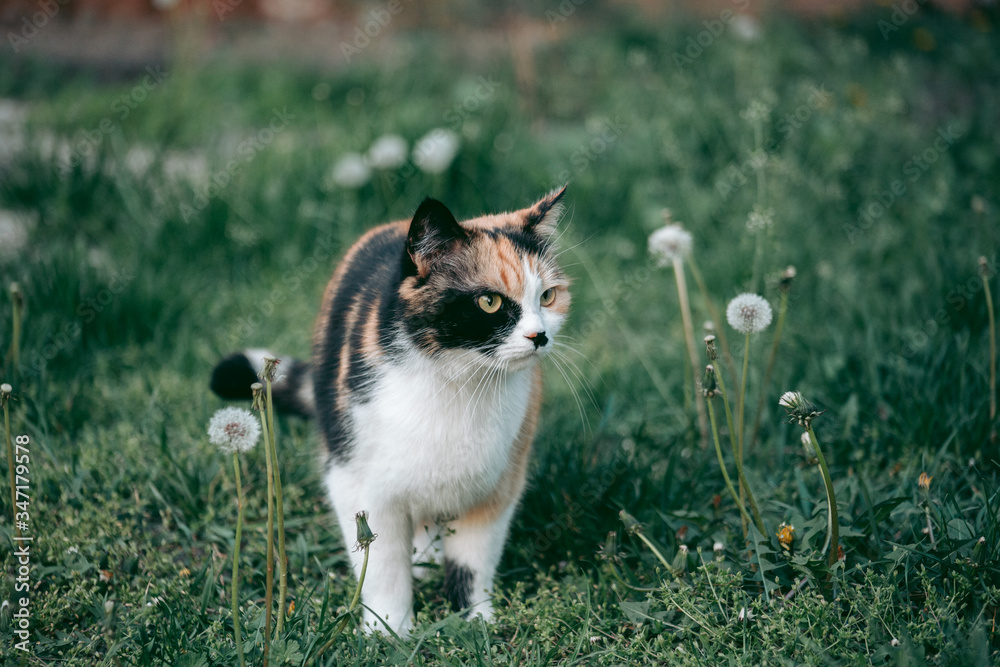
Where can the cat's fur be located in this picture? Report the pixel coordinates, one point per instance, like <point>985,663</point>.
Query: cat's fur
<point>427,402</point>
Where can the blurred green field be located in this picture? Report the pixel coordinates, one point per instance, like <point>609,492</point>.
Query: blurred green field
<point>877,161</point>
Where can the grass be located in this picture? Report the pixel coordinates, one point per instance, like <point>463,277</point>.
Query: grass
<point>132,292</point>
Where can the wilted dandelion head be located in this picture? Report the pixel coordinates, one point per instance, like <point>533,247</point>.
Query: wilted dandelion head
<point>669,244</point>
<point>924,481</point>
<point>435,151</point>
<point>786,535</point>
<point>233,430</point>
<point>748,313</point>
<point>351,171</point>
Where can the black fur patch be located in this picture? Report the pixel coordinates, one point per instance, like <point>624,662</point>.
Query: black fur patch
<point>373,275</point>
<point>457,585</point>
<point>461,323</point>
<point>232,377</point>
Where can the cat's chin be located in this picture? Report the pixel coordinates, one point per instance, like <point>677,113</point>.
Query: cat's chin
<point>521,363</point>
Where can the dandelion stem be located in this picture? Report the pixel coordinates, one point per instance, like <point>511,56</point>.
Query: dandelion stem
<point>5,399</point>
<point>682,294</point>
<point>282,558</point>
<point>732,442</point>
<point>833,521</point>
<point>236,561</point>
<point>722,464</point>
<point>350,610</point>
<point>17,303</point>
<point>269,580</point>
<point>720,330</point>
<point>743,394</point>
<point>993,339</point>
<point>782,309</point>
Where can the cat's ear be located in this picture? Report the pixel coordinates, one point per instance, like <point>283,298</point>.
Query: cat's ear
<point>542,218</point>
<point>433,232</point>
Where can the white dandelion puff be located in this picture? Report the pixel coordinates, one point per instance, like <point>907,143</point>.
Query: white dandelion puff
<point>669,244</point>
<point>435,151</point>
<point>233,430</point>
<point>351,171</point>
<point>748,313</point>
<point>388,152</point>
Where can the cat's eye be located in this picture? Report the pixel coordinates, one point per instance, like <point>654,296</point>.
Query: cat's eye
<point>490,303</point>
<point>548,296</point>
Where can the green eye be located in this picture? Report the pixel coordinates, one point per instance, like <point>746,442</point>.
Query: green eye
<point>548,296</point>
<point>490,303</point>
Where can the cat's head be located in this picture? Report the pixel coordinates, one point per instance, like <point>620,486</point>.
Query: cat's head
<point>490,285</point>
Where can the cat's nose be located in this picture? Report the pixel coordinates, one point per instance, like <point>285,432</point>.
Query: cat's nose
<point>538,338</point>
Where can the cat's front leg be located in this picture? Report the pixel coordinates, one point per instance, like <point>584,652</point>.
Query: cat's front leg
<point>388,587</point>
<point>472,548</point>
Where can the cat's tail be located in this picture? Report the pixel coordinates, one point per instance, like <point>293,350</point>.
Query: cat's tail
<point>292,391</point>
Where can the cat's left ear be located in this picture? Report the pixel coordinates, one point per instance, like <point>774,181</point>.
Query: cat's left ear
<point>542,218</point>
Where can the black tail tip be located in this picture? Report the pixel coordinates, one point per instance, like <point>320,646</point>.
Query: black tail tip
<point>233,376</point>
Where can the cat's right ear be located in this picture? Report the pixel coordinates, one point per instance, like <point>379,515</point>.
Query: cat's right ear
<point>433,233</point>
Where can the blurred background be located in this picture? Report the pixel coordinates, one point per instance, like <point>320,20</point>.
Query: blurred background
<point>178,179</point>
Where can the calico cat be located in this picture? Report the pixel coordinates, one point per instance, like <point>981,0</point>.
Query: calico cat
<point>426,384</point>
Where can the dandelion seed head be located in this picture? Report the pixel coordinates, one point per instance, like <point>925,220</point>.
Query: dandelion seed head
<point>351,171</point>
<point>748,313</point>
<point>233,430</point>
<point>388,152</point>
<point>435,151</point>
<point>669,244</point>
<point>760,219</point>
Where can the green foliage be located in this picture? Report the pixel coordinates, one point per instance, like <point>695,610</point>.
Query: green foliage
<point>133,290</point>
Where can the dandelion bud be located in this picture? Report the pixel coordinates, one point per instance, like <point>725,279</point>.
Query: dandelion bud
<point>979,551</point>
<point>708,385</point>
<point>365,534</point>
<point>5,392</point>
<point>17,296</point>
<point>807,445</point>
<point>610,548</point>
<point>787,276</point>
<point>924,481</point>
<point>681,559</point>
<point>257,389</point>
<point>719,549</point>
<point>5,615</point>
<point>631,525</point>
<point>713,354</point>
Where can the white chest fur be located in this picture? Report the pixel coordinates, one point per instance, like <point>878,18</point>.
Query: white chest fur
<point>436,438</point>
